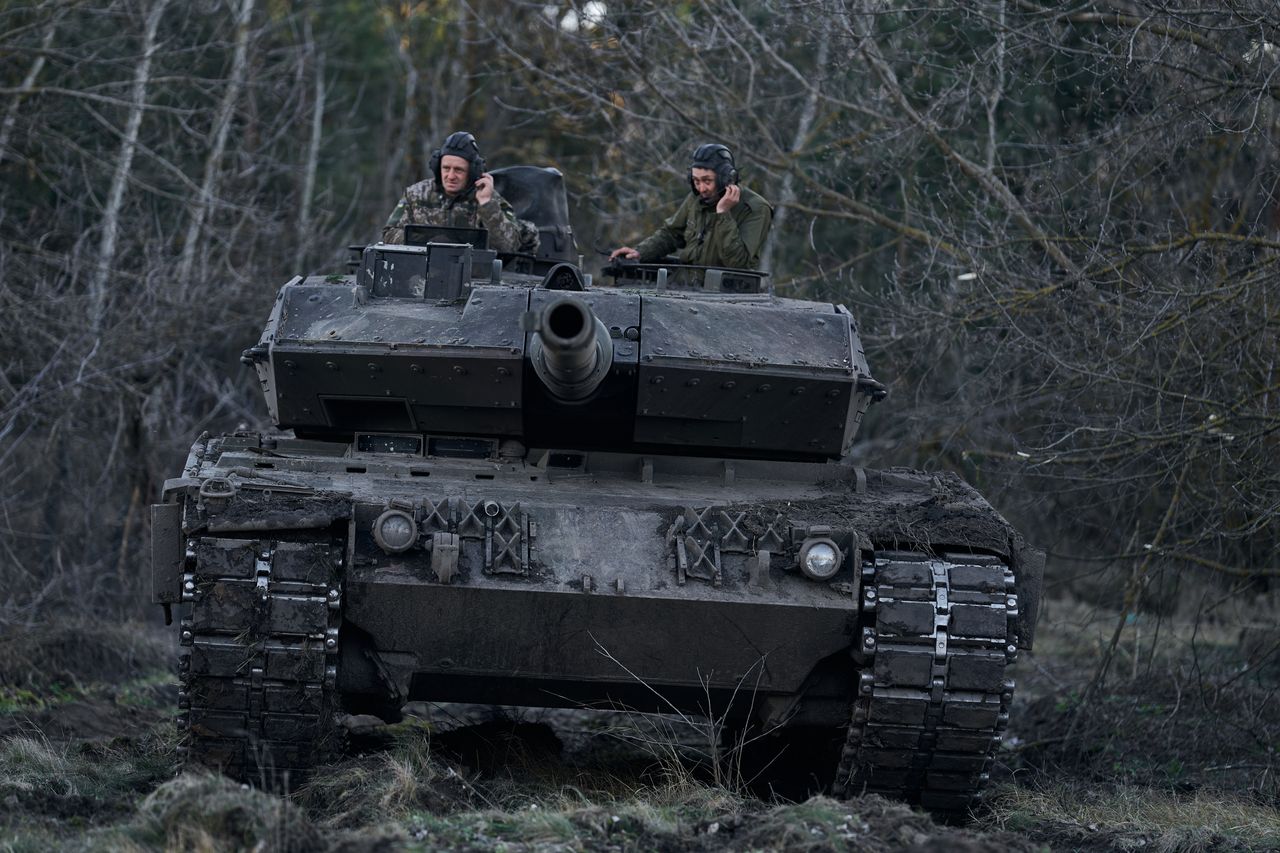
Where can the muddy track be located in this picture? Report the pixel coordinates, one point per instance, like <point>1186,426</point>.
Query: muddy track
<point>259,657</point>
<point>933,700</point>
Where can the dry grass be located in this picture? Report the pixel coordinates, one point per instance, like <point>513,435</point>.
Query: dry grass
<point>32,765</point>
<point>1138,816</point>
<point>388,786</point>
<point>38,768</point>
<point>211,813</point>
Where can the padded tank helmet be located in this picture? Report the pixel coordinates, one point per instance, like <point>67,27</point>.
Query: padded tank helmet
<point>719,159</point>
<point>459,144</point>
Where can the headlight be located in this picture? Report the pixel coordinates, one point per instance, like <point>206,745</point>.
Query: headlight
<point>395,531</point>
<point>820,559</point>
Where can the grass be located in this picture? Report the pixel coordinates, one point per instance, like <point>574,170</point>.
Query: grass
<point>61,795</point>
<point>144,692</point>
<point>1153,767</point>
<point>1137,816</point>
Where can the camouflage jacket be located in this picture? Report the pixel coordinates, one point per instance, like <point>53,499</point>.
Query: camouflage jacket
<point>699,235</point>
<point>423,204</point>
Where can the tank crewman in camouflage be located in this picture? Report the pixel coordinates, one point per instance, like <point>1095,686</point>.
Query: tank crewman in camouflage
<point>460,194</point>
<point>719,224</point>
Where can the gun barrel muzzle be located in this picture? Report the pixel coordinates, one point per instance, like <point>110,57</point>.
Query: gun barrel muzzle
<point>571,350</point>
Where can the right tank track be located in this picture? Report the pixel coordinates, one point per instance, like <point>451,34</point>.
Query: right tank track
<point>932,701</point>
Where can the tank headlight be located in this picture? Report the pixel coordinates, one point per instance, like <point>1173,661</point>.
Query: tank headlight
<point>395,531</point>
<point>820,559</point>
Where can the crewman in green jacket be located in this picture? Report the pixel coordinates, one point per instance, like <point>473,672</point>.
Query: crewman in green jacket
<point>720,223</point>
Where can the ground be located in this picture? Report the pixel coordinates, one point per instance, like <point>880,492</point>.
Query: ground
<point>1176,751</point>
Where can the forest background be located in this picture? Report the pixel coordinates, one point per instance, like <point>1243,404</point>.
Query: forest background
<point>1058,225</point>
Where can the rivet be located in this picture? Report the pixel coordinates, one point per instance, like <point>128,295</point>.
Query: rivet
<point>332,365</point>
<point>730,385</point>
<point>764,387</point>
<point>657,380</point>
<point>693,382</point>
<point>798,390</point>
<point>460,370</point>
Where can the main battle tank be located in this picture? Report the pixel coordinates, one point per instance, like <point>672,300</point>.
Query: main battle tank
<point>517,487</point>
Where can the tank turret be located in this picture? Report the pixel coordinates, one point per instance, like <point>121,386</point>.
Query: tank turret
<point>440,341</point>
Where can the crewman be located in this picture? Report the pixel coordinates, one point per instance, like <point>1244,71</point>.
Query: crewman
<point>460,194</point>
<point>719,224</point>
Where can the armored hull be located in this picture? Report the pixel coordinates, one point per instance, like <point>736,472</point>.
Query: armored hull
<point>618,581</point>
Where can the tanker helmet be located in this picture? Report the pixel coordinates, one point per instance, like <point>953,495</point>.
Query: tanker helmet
<point>459,144</point>
<point>719,159</point>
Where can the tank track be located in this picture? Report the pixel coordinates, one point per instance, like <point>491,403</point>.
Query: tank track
<point>932,701</point>
<point>258,660</point>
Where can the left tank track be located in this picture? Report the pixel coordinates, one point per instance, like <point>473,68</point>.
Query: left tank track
<point>932,703</point>
<point>258,660</point>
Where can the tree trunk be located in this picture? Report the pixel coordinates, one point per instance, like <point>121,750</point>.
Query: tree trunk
<point>124,164</point>
<point>221,126</point>
<point>313,152</point>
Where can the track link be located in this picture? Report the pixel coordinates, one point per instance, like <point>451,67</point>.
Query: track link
<point>933,699</point>
<point>259,654</point>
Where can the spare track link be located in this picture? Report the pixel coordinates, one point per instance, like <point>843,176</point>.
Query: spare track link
<point>933,698</point>
<point>258,662</point>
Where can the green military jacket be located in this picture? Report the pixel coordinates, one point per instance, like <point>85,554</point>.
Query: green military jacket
<point>699,235</point>
<point>423,204</point>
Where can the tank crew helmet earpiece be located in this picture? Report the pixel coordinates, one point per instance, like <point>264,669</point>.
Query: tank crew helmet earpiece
<point>719,159</point>
<point>459,144</point>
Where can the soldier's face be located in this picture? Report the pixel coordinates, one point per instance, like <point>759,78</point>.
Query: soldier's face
<point>453,173</point>
<point>704,183</point>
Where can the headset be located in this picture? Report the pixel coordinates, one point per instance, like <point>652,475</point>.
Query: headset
<point>459,144</point>
<point>719,159</point>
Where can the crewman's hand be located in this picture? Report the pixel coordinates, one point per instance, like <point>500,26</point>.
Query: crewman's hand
<point>484,188</point>
<point>625,252</point>
<point>731,196</point>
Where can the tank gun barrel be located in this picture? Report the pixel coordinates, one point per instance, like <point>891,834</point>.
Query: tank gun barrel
<point>571,351</point>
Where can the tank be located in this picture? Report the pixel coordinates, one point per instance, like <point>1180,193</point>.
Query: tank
<point>494,480</point>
